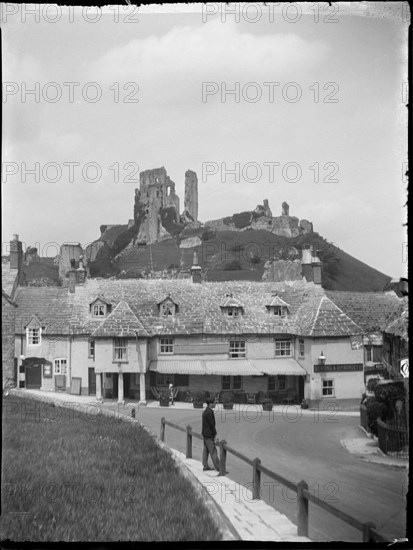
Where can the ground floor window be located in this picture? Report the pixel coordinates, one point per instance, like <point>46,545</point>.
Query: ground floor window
<point>60,366</point>
<point>328,388</point>
<point>164,379</point>
<point>277,383</point>
<point>232,382</point>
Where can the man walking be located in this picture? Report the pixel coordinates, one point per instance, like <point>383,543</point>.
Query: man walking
<point>208,433</point>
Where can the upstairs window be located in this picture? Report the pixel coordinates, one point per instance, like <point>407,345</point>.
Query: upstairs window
<point>167,308</point>
<point>166,345</point>
<point>301,347</point>
<point>283,348</point>
<point>120,349</point>
<point>33,336</point>
<point>234,311</point>
<point>237,348</point>
<point>91,349</point>
<point>280,311</point>
<point>99,310</point>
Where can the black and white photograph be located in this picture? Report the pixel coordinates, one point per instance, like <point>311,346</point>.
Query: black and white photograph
<point>205,273</point>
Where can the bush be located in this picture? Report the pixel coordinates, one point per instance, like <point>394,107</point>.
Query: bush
<point>375,410</point>
<point>207,235</point>
<point>227,397</point>
<point>200,396</point>
<point>241,220</point>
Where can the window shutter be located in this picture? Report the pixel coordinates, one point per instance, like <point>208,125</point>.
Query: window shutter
<point>181,380</point>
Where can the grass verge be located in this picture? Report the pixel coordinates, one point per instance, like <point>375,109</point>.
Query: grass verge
<point>69,476</point>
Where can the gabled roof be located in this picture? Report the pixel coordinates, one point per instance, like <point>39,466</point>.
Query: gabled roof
<point>399,324</point>
<point>52,305</point>
<point>371,310</point>
<point>167,298</point>
<point>277,301</point>
<point>121,323</point>
<point>230,301</point>
<point>99,299</point>
<point>327,319</point>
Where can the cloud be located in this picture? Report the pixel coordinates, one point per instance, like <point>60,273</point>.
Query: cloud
<point>188,55</point>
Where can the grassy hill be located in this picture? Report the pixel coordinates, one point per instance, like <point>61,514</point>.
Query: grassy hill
<point>232,255</point>
<point>223,255</point>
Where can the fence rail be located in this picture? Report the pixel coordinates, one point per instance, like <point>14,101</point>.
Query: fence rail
<point>363,418</point>
<point>368,529</point>
<point>393,438</point>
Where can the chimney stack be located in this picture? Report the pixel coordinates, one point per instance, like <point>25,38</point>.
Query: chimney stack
<point>196,270</point>
<point>72,281</point>
<point>80,272</point>
<point>16,253</point>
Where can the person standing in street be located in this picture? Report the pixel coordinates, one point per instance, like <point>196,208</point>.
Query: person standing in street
<point>208,433</point>
<point>171,393</point>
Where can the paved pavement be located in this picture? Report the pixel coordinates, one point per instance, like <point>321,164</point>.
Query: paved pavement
<point>367,448</point>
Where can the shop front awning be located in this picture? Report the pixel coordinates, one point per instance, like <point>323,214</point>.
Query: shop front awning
<point>232,367</point>
<point>178,367</point>
<point>283,365</point>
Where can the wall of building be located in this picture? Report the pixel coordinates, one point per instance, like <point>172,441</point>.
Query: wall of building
<point>8,311</point>
<point>137,356</point>
<point>347,385</point>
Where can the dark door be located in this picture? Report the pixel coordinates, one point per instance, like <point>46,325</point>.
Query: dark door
<point>33,376</point>
<point>115,377</point>
<point>126,385</point>
<point>92,381</point>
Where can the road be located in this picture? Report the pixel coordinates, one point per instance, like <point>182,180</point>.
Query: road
<point>302,448</point>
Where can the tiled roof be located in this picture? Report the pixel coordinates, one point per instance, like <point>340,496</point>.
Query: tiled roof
<point>330,320</point>
<point>122,323</point>
<point>134,308</point>
<point>199,304</point>
<point>399,324</point>
<point>370,310</point>
<point>53,306</point>
<point>8,277</point>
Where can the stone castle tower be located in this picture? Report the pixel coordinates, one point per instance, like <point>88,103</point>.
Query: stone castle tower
<point>191,195</point>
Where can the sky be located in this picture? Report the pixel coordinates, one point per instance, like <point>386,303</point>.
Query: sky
<point>278,103</point>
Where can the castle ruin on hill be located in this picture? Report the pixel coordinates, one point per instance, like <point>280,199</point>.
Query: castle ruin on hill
<point>156,197</point>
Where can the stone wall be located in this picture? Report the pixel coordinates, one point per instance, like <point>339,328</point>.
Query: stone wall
<point>69,252</point>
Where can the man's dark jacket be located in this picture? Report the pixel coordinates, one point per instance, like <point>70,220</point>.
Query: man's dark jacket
<point>208,423</point>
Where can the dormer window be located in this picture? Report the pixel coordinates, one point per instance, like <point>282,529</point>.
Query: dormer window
<point>232,307</point>
<point>99,309</point>
<point>234,311</point>
<point>167,308</point>
<point>34,332</point>
<point>277,307</point>
<point>279,311</point>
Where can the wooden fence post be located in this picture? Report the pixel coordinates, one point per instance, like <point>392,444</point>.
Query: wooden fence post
<point>256,479</point>
<point>302,511</point>
<point>163,428</point>
<point>367,531</point>
<point>222,458</point>
<point>188,442</point>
